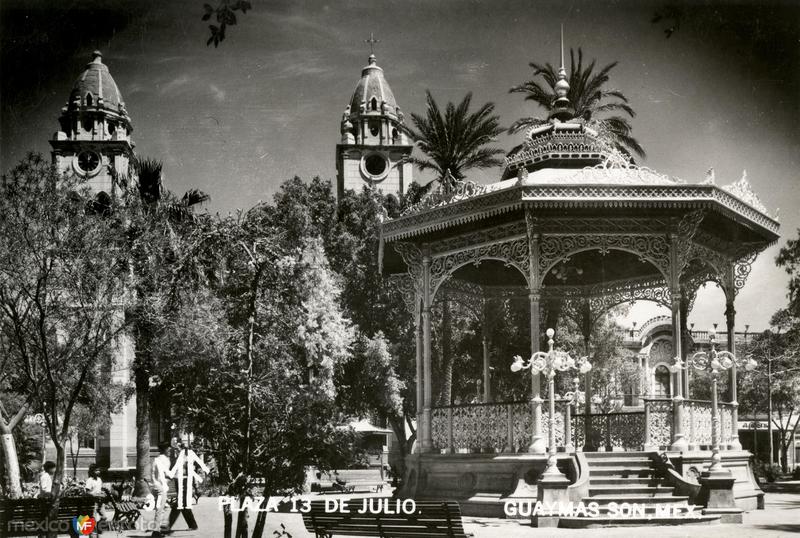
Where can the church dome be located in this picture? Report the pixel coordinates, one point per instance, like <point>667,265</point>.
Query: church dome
<point>373,94</point>
<point>95,87</point>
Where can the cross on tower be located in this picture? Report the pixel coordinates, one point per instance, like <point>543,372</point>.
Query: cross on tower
<point>372,42</point>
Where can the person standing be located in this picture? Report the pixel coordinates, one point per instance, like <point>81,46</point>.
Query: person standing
<point>185,477</point>
<point>46,479</point>
<point>160,475</point>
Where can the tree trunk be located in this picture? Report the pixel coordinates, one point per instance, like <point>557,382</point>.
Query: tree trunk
<point>228,521</point>
<point>142,381</point>
<point>12,486</point>
<point>58,478</point>
<point>261,518</point>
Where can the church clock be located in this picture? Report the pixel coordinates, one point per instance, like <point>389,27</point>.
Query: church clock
<point>88,162</point>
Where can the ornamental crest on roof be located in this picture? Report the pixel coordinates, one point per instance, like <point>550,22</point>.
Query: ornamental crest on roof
<point>744,192</point>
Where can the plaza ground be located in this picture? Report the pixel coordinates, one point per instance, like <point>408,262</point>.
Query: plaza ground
<point>781,516</point>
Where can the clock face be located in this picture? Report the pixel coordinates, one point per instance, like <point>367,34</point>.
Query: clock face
<point>88,161</point>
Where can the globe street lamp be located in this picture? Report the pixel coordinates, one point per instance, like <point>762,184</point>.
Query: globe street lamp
<point>713,362</point>
<point>548,364</point>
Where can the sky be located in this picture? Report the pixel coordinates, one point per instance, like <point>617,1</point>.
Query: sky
<point>722,91</point>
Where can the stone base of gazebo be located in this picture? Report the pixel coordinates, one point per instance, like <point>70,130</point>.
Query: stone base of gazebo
<point>746,492</point>
<point>483,483</point>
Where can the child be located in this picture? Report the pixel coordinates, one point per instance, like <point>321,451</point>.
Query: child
<point>46,479</point>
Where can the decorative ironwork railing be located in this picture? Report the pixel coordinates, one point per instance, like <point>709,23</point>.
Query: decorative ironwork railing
<point>658,423</point>
<point>697,423</point>
<point>508,427</point>
<point>726,425</point>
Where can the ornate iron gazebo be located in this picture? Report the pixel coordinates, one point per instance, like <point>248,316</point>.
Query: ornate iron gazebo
<point>577,228</point>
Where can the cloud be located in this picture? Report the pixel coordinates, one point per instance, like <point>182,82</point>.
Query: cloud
<point>174,85</point>
<point>217,92</point>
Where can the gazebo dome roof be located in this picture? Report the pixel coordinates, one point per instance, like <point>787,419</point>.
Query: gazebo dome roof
<point>373,85</point>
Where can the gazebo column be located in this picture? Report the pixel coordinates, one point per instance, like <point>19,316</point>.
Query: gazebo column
<point>487,374</point>
<point>427,444</point>
<point>538,443</point>
<point>679,442</point>
<point>420,373</point>
<point>730,320</point>
<point>684,314</point>
<point>589,444</point>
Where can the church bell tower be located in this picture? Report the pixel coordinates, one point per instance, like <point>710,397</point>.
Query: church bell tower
<point>374,150</point>
<point>94,138</point>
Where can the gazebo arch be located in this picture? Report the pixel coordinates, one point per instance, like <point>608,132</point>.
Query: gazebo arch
<point>654,250</point>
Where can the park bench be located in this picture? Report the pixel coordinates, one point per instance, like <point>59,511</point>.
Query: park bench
<point>433,518</point>
<point>352,485</point>
<point>28,517</point>
<point>127,511</point>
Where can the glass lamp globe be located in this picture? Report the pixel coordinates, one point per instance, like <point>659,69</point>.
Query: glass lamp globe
<point>550,333</point>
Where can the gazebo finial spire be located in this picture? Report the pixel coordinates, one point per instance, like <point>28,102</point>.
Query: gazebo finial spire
<point>562,110</point>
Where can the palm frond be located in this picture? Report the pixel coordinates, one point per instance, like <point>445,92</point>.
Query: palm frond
<point>588,96</point>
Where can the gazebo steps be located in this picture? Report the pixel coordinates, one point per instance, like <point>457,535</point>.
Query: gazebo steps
<point>618,454</point>
<point>622,482</point>
<point>624,497</point>
<point>652,491</point>
<point>630,471</point>
<point>615,521</point>
<point>615,462</point>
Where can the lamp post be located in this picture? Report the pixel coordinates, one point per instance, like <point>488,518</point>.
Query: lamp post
<point>713,362</point>
<point>549,363</point>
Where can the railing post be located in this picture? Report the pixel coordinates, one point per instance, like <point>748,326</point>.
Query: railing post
<point>510,426</point>
<point>568,445</point>
<point>450,448</point>
<point>648,444</point>
<point>692,433</point>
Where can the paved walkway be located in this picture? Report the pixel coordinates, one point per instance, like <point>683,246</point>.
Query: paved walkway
<point>781,517</point>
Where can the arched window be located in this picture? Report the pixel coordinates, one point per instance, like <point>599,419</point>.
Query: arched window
<point>662,384</point>
<point>89,99</point>
<point>373,104</point>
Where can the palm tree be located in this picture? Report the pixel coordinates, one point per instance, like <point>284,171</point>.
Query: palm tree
<point>154,213</point>
<point>455,141</point>
<point>589,98</point>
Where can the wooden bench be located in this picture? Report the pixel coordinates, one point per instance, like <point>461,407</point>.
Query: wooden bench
<point>28,517</point>
<point>351,485</point>
<point>433,518</point>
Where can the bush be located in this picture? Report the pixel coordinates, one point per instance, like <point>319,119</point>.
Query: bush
<point>796,473</point>
<point>770,472</point>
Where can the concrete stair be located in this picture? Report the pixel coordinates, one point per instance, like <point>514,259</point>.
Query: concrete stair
<point>629,491</point>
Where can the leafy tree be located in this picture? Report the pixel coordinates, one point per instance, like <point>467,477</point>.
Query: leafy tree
<point>455,141</point>
<point>62,282</point>
<point>588,95</point>
<point>350,231</point>
<point>789,259</point>
<point>778,378</point>
<point>264,402</point>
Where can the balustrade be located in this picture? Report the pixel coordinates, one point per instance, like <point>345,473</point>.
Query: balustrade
<point>506,427</point>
